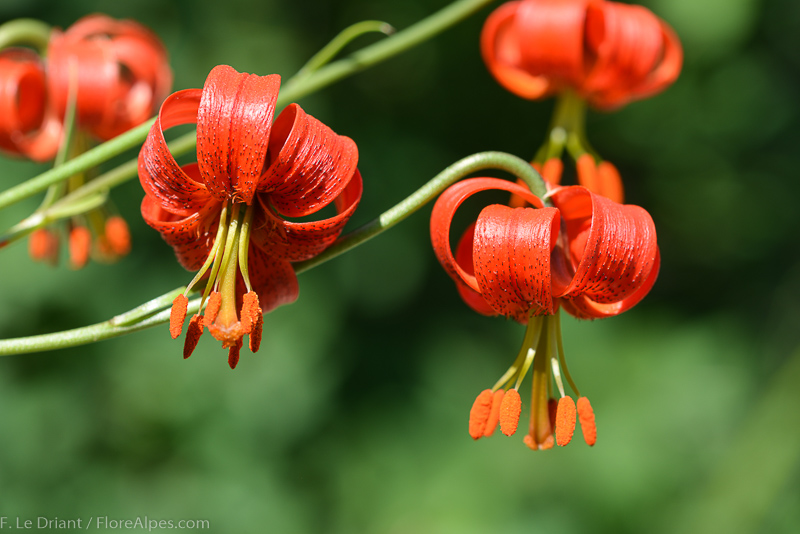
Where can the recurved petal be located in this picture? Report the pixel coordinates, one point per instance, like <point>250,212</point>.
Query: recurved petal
<point>298,241</point>
<point>446,206</point>
<point>611,247</point>
<point>233,129</point>
<point>552,38</point>
<point>637,54</point>
<point>190,236</point>
<point>511,255</point>
<point>501,51</point>
<point>96,73</point>
<point>309,164</point>
<point>464,259</point>
<point>272,278</point>
<point>583,307</point>
<point>178,190</point>
<point>27,126</point>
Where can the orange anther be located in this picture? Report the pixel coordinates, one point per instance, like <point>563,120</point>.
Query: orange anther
<point>586,416</point>
<point>193,333</point>
<point>233,354</point>
<point>610,182</point>
<point>80,246</point>
<point>565,421</point>
<point>510,409</point>
<point>43,246</point>
<point>552,170</point>
<point>118,235</point>
<point>177,315</point>
<point>250,310</point>
<point>212,308</point>
<point>479,413</point>
<point>255,333</point>
<point>494,414</point>
<point>587,172</point>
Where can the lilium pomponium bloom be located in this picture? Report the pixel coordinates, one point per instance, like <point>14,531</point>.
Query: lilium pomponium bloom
<point>608,52</point>
<point>227,216</point>
<point>587,254</point>
<point>120,72</point>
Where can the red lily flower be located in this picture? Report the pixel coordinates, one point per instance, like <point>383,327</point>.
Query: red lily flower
<point>608,52</point>
<point>587,254</point>
<point>122,73</point>
<point>226,215</point>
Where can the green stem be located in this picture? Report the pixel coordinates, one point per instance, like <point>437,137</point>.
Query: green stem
<point>85,161</point>
<point>30,32</point>
<point>476,162</point>
<point>567,129</point>
<point>336,45</point>
<point>67,205</point>
<point>141,317</point>
<point>292,90</point>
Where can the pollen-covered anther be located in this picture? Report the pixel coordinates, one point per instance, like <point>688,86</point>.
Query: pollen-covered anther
<point>510,410</point>
<point>565,421</point>
<point>255,333</point>
<point>193,333</point>
<point>250,311</point>
<point>233,353</point>
<point>212,308</point>
<point>479,413</point>
<point>80,246</point>
<point>43,246</point>
<point>494,414</point>
<point>118,235</point>
<point>177,315</point>
<point>586,416</point>
<point>552,170</point>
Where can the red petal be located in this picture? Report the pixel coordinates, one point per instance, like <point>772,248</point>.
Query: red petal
<point>512,249</point>
<point>501,53</point>
<point>464,259</point>
<point>612,249</point>
<point>301,241</point>
<point>27,127</point>
<point>309,164</point>
<point>160,175</point>
<point>233,128</point>
<point>446,206</point>
<point>637,54</point>
<point>272,278</point>
<point>191,237</point>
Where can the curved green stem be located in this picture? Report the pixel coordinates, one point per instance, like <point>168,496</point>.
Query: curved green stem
<point>336,45</point>
<point>476,162</point>
<point>30,32</point>
<point>375,53</point>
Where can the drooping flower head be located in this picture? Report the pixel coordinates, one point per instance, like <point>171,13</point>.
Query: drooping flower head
<point>228,215</point>
<point>119,70</point>
<point>122,72</point>
<point>592,256</point>
<point>608,52</point>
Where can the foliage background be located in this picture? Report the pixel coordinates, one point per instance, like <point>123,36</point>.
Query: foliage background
<point>352,418</point>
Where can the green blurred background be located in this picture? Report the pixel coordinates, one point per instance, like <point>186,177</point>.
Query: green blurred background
<point>352,417</point>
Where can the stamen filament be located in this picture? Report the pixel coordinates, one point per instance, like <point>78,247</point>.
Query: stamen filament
<point>525,367</point>
<point>244,246</point>
<point>552,346</point>
<point>228,312</point>
<point>222,237</point>
<point>531,339</point>
<point>562,360</point>
<point>212,254</point>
